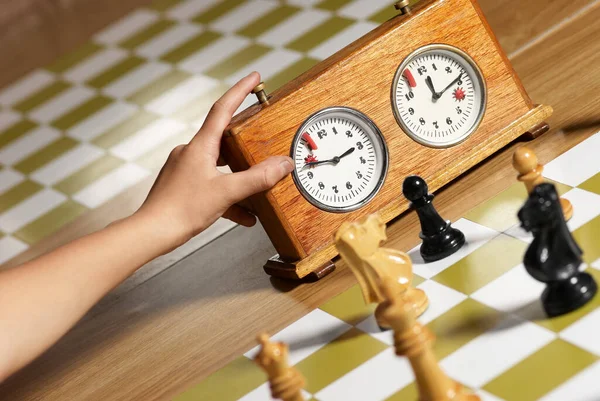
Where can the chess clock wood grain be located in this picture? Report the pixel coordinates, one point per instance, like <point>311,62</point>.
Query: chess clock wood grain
<point>361,76</point>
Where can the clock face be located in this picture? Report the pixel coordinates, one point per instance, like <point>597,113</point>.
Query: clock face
<point>439,96</point>
<point>341,159</point>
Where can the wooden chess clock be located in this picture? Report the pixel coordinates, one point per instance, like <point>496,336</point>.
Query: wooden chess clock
<point>430,92</point>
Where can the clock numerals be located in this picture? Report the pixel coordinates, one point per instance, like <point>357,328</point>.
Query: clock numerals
<point>343,171</point>
<point>428,111</point>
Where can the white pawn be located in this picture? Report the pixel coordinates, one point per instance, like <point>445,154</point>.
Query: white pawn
<point>530,173</point>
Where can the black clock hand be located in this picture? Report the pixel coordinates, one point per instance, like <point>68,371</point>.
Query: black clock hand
<point>346,153</point>
<point>334,161</point>
<point>429,83</point>
<point>449,86</point>
<point>318,163</point>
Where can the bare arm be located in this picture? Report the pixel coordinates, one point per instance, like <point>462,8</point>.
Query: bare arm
<point>42,299</point>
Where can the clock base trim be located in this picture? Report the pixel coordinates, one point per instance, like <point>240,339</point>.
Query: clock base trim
<point>277,267</point>
<point>537,131</point>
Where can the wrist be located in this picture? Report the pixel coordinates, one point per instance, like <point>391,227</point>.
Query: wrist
<point>160,229</point>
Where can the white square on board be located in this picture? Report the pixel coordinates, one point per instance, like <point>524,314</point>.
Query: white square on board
<point>67,164</point>
<point>167,40</point>
<point>510,292</point>
<point>102,121</point>
<point>441,300</point>
<point>127,26</point>
<point>375,380</point>
<point>30,209</point>
<point>476,236</point>
<point>492,353</point>
<point>9,178</point>
<point>263,392</point>
<point>27,144</point>
<point>213,54</point>
<point>8,118</point>
<point>189,9</point>
<point>577,164</point>
<point>95,65</point>
<point>147,139</point>
<point>584,332</point>
<point>10,247</point>
<point>172,100</point>
<point>293,27</point>
<point>362,9</point>
<point>307,335</point>
<point>136,79</point>
<point>242,15</point>
<point>268,65</point>
<point>110,185</point>
<point>31,83</point>
<point>342,39</point>
<point>485,396</point>
<point>61,104</point>
<point>304,3</point>
<point>584,386</point>
<point>370,326</point>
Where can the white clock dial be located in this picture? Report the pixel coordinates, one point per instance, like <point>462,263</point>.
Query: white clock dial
<point>439,96</point>
<point>341,159</point>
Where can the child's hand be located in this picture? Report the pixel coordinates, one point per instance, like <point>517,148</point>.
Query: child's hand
<point>190,193</point>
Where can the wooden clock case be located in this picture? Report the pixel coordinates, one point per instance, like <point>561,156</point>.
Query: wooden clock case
<point>360,76</point>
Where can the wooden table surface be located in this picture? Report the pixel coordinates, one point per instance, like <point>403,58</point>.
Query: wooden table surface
<point>154,339</point>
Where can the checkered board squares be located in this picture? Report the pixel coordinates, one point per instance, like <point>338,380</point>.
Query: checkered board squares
<point>485,311</point>
<point>10,247</point>
<point>116,106</point>
<point>22,89</point>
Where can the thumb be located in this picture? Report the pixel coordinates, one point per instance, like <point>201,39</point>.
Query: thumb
<point>258,178</point>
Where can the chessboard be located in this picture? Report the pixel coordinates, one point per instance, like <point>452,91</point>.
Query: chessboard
<point>484,309</point>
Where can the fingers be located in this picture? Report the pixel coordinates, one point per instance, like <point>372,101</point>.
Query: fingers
<point>221,113</point>
<point>258,178</point>
<point>239,215</point>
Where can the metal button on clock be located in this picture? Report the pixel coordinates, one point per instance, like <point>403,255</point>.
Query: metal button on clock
<point>341,159</point>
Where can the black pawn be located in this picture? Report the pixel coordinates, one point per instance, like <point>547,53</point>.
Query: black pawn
<point>440,239</point>
<point>553,257</point>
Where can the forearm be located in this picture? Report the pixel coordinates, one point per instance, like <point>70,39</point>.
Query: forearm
<point>41,300</point>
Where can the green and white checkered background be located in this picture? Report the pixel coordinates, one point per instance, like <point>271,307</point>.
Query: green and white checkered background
<point>102,118</point>
<point>485,310</point>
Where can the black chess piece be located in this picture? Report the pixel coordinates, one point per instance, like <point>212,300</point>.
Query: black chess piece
<point>553,257</point>
<point>440,239</point>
